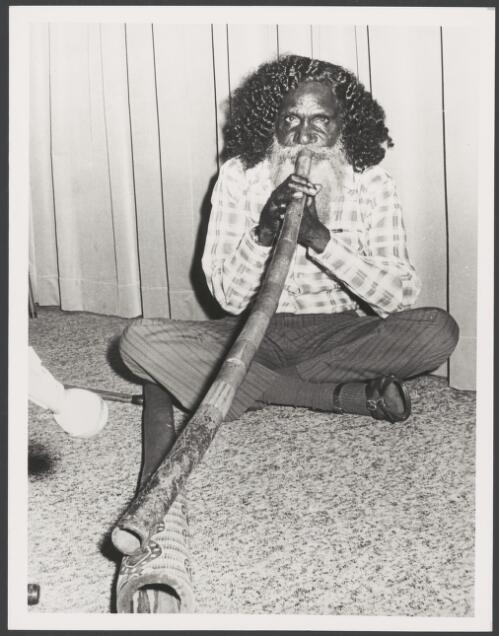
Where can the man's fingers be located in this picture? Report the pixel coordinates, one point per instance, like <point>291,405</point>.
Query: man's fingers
<point>297,180</point>
<point>310,204</point>
<point>293,190</point>
<point>308,188</point>
<point>279,206</point>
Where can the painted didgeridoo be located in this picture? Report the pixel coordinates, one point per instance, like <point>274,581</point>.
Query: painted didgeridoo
<point>147,510</point>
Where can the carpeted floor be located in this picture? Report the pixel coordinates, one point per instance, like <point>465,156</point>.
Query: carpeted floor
<point>290,511</point>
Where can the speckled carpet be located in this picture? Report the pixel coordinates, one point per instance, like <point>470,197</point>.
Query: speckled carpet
<point>290,511</point>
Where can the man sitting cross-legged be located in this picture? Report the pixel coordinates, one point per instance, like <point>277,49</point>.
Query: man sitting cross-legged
<point>344,337</point>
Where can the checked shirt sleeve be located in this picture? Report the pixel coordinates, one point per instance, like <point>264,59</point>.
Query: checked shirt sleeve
<point>379,272</point>
<point>233,262</point>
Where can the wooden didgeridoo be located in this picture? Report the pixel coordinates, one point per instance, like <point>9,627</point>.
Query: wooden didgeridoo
<point>132,532</point>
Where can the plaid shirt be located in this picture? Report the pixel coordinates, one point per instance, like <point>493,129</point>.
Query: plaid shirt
<point>366,257</point>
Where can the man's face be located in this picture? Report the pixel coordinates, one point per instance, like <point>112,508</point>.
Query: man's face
<point>310,115</point>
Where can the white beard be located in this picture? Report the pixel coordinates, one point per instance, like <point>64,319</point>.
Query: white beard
<point>328,170</point>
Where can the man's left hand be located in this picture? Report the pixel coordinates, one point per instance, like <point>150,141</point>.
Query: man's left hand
<point>312,232</point>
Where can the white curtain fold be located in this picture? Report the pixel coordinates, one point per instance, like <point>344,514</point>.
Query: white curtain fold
<point>125,132</point>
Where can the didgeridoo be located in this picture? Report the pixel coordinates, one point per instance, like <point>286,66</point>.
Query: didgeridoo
<point>147,510</point>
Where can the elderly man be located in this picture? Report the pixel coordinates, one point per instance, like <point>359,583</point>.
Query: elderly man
<point>343,337</point>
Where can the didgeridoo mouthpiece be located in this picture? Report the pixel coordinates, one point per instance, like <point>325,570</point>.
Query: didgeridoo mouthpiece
<point>303,162</point>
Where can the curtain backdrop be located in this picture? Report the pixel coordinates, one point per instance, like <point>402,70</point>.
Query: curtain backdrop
<point>125,132</point>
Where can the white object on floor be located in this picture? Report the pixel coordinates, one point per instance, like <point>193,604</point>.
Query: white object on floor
<point>83,413</point>
<point>79,412</point>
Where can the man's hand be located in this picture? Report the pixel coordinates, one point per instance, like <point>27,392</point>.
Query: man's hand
<point>275,208</point>
<point>312,232</point>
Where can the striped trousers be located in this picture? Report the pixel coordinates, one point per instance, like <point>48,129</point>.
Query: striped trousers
<point>184,356</point>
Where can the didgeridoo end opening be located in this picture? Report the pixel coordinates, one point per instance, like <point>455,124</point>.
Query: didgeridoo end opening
<point>126,541</point>
<point>155,599</point>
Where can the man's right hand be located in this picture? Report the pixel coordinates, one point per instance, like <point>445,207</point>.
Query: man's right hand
<point>275,208</point>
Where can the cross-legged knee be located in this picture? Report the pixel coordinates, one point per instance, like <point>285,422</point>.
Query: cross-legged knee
<point>126,336</point>
<point>451,328</point>
<point>430,335</point>
<point>445,327</point>
<point>131,342</point>
<point>443,331</point>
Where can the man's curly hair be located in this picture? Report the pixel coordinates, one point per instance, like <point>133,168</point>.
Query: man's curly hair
<point>249,131</point>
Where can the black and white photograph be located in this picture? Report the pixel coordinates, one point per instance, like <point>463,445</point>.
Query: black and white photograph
<point>251,312</point>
